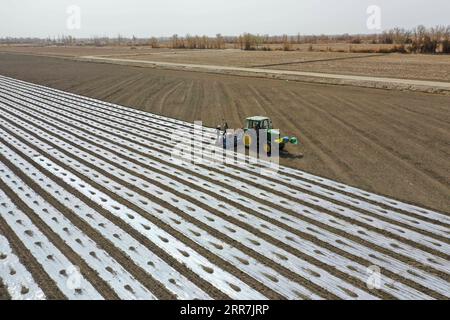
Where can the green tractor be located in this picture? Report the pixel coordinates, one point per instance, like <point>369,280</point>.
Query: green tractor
<point>258,123</point>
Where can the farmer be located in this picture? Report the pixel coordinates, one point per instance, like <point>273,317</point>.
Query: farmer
<point>224,125</point>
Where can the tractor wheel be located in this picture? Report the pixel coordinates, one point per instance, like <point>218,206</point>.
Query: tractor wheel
<point>267,148</point>
<point>247,140</point>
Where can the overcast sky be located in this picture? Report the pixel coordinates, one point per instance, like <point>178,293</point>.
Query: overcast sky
<point>144,18</point>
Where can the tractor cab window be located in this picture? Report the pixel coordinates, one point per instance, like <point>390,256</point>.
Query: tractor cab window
<point>260,124</point>
<point>252,124</point>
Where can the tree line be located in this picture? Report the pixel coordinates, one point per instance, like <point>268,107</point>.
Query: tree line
<point>421,39</point>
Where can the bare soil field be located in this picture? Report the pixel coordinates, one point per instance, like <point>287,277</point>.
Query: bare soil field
<point>391,143</point>
<point>240,58</point>
<point>74,51</point>
<point>342,47</point>
<point>326,58</point>
<point>406,66</point>
<point>110,50</point>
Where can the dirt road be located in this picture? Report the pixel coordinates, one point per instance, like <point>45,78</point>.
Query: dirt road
<point>389,142</point>
<point>366,81</point>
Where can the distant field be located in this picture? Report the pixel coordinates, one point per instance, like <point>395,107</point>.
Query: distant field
<point>93,50</point>
<point>336,47</point>
<point>239,58</point>
<point>77,51</point>
<point>326,58</point>
<point>408,66</point>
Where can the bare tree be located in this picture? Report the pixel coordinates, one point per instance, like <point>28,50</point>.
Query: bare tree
<point>220,43</point>
<point>154,42</point>
<point>287,45</point>
<point>177,43</point>
<point>249,42</point>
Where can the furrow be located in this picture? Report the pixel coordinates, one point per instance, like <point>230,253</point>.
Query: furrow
<point>267,228</point>
<point>143,115</point>
<point>327,205</point>
<point>202,215</point>
<point>56,265</point>
<point>226,282</point>
<point>139,254</point>
<point>375,211</point>
<point>123,284</point>
<point>336,187</point>
<point>15,277</point>
<point>147,207</point>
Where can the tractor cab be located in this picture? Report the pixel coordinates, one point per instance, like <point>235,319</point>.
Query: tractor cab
<point>264,123</point>
<point>258,122</point>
